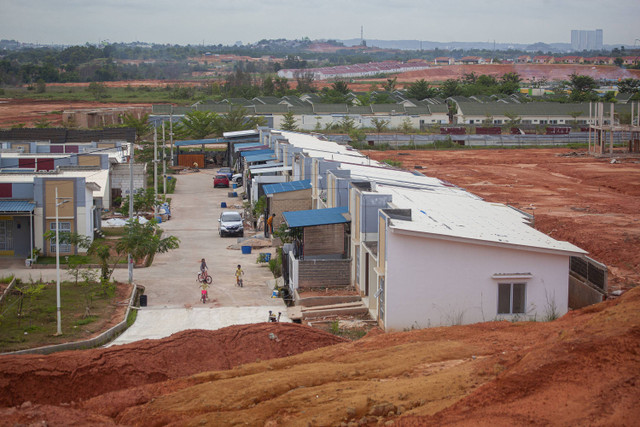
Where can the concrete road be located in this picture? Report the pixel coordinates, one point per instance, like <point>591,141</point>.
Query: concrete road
<point>171,284</point>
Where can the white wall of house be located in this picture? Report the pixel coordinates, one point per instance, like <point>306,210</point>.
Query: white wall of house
<point>525,119</point>
<point>433,282</point>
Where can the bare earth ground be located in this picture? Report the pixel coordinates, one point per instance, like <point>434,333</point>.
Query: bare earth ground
<point>28,111</point>
<point>587,201</point>
<point>583,369</point>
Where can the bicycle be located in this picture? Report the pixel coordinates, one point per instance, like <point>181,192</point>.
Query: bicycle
<point>204,294</point>
<point>203,277</point>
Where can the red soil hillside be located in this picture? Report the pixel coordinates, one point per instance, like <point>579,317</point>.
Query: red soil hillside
<point>583,369</point>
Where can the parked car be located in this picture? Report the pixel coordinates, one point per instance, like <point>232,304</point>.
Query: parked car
<point>230,223</point>
<point>226,171</point>
<point>220,180</point>
<point>237,179</point>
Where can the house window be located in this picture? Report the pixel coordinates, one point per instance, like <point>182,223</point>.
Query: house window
<point>497,122</point>
<point>64,227</point>
<point>511,298</point>
<point>6,234</point>
<point>470,122</point>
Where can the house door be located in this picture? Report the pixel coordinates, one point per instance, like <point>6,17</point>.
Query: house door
<point>366,275</point>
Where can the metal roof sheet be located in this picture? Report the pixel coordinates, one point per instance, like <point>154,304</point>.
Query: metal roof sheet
<point>459,217</point>
<point>257,152</point>
<point>242,146</point>
<point>7,206</point>
<point>201,141</point>
<point>271,169</point>
<point>316,217</point>
<point>283,187</point>
<point>260,157</point>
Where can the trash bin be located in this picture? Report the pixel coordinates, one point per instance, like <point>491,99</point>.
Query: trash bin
<point>223,204</point>
<point>246,250</point>
<point>143,300</point>
<point>235,185</point>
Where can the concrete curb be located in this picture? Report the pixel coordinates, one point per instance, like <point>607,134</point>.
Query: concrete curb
<point>101,339</point>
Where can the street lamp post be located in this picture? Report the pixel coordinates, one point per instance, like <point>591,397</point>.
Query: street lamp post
<point>59,315</point>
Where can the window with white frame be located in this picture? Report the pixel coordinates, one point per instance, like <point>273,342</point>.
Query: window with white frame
<point>65,227</point>
<point>6,234</point>
<point>511,298</point>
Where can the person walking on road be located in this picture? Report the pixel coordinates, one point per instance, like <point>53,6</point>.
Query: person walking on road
<point>270,223</point>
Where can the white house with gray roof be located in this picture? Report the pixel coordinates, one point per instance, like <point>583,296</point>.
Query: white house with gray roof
<point>424,252</point>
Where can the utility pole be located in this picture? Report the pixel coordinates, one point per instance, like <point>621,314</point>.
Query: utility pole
<point>171,134</point>
<point>59,315</point>
<point>129,257</point>
<point>164,163</point>
<point>155,170</point>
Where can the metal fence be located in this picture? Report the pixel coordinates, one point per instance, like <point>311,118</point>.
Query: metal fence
<point>590,271</point>
<point>424,141</point>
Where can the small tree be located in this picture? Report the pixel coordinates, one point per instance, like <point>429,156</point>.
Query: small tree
<point>41,86</point>
<point>514,119</point>
<point>380,124</point>
<point>406,126</point>
<point>140,124</point>
<point>347,124</point>
<point>142,240</point>
<point>289,121</point>
<point>98,90</point>
<point>390,84</point>
<point>199,124</point>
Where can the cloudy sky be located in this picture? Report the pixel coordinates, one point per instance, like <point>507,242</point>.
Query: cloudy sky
<point>228,21</point>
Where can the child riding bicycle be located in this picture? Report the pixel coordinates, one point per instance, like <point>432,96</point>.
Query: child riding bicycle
<point>239,274</point>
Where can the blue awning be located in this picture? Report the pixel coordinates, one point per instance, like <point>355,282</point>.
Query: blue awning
<point>283,187</point>
<point>260,157</point>
<point>315,217</point>
<point>256,152</point>
<point>201,141</point>
<point>16,206</point>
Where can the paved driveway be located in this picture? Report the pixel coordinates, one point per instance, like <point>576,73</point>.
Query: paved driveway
<point>171,286</point>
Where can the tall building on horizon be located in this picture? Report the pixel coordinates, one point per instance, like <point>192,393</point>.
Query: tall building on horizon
<point>586,40</point>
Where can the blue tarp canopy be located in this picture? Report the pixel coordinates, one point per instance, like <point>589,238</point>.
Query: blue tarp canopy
<point>316,217</point>
<point>16,206</point>
<point>283,187</point>
<point>201,141</point>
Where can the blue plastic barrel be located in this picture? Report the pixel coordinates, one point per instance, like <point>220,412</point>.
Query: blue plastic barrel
<point>223,204</point>
<point>246,250</point>
<point>235,185</point>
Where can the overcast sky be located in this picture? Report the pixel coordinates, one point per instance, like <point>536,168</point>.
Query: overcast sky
<point>228,21</point>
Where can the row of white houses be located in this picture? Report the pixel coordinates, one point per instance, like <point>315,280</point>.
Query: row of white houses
<point>420,251</point>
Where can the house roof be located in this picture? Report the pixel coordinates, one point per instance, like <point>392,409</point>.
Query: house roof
<point>284,187</point>
<point>16,206</point>
<point>528,109</point>
<point>316,217</point>
<point>330,108</point>
<point>271,108</point>
<point>450,216</point>
<point>251,153</point>
<point>260,157</point>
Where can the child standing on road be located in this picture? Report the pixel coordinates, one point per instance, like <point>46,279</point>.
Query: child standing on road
<point>239,274</point>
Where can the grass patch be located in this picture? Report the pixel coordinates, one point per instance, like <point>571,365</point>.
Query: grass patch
<point>6,279</point>
<point>113,231</point>
<point>348,333</point>
<point>38,324</point>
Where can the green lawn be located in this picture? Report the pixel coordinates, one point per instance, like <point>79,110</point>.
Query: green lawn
<point>38,323</point>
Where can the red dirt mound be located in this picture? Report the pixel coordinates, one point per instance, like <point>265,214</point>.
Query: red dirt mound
<point>78,375</point>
